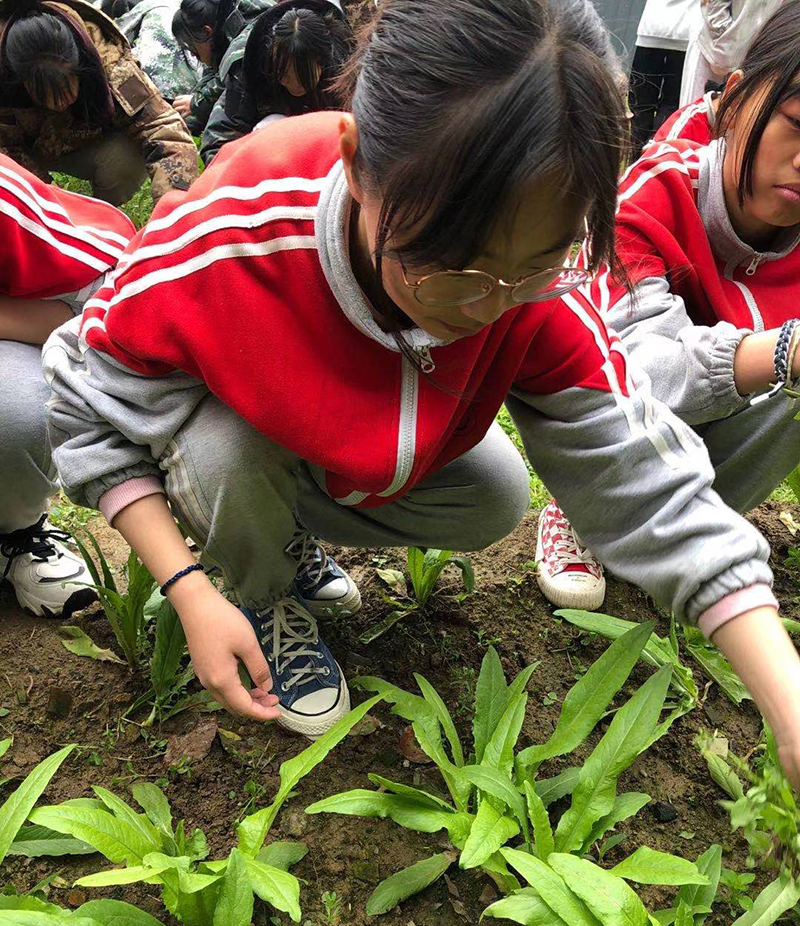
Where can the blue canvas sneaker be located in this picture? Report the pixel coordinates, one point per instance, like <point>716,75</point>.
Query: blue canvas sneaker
<point>322,585</point>
<point>308,681</point>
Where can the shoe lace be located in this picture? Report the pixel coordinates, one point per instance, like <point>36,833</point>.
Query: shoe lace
<point>292,633</point>
<point>37,540</point>
<point>568,549</point>
<point>312,560</point>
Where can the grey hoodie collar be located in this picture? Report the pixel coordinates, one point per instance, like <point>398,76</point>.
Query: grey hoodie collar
<point>331,230</point>
<point>725,243</point>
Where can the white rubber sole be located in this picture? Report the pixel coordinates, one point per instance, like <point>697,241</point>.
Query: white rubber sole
<point>314,727</point>
<point>588,600</point>
<point>56,607</point>
<point>346,605</point>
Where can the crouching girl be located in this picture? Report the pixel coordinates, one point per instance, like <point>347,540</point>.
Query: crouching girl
<point>317,339</point>
<point>56,250</point>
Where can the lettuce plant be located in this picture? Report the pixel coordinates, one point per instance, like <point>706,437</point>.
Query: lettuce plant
<point>496,816</point>
<point>149,847</point>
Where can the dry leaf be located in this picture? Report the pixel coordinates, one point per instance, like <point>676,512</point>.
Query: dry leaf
<point>366,726</point>
<point>194,745</point>
<point>409,748</point>
<point>790,522</point>
<point>452,890</point>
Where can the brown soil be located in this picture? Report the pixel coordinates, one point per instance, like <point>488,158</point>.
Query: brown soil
<point>447,645</point>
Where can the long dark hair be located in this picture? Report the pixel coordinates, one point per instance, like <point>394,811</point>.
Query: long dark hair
<point>190,19</point>
<point>41,48</point>
<point>460,104</point>
<point>310,35</point>
<point>772,61</point>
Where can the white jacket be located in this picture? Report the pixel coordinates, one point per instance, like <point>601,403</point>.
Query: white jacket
<point>728,28</point>
<point>668,24</point>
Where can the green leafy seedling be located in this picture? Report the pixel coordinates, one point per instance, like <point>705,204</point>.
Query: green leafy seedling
<point>496,812</point>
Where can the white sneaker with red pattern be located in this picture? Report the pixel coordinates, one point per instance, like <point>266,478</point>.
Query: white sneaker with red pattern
<point>567,573</point>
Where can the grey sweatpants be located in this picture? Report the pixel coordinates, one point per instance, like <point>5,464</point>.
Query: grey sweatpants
<point>753,450</point>
<point>27,476</point>
<point>237,492</point>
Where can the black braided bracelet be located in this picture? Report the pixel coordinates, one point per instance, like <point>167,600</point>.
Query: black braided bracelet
<point>781,358</point>
<point>179,575</point>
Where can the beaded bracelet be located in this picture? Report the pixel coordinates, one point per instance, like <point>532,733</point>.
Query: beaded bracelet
<point>179,575</point>
<point>783,358</point>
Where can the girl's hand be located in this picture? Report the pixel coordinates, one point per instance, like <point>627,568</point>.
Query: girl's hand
<point>765,658</point>
<point>218,635</point>
<point>182,104</point>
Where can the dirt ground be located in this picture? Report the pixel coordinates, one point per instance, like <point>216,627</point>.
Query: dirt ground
<point>349,855</point>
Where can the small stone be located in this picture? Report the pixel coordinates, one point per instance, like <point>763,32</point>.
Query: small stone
<point>664,813</point>
<point>366,872</point>
<point>293,822</point>
<point>59,703</point>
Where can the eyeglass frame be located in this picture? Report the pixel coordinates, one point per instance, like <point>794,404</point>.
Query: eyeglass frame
<point>496,281</point>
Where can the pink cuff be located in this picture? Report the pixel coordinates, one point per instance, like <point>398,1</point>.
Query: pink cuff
<point>113,501</point>
<point>731,606</point>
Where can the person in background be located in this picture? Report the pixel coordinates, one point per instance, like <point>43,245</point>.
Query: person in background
<point>147,25</point>
<point>73,99</point>
<point>655,79</point>
<point>719,42</point>
<point>710,239</point>
<point>294,52</point>
<point>215,33</point>
<point>57,248</point>
<point>695,121</point>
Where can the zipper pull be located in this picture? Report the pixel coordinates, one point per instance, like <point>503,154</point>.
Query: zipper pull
<point>426,362</point>
<point>751,270</point>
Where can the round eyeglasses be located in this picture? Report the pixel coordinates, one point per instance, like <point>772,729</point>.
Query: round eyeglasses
<point>461,287</point>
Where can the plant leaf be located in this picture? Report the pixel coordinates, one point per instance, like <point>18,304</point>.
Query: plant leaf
<point>627,735</point>
<point>684,915</point>
<point>589,698</point>
<point>609,898</point>
<point>154,803</point>
<point>116,913</point>
<point>280,888</point>
<point>553,789</point>
<point>464,563</point>
<point>554,890</point>
<point>772,902</point>
<point>235,899</point>
<point>526,907</point>
<point>82,645</point>
<point>490,830</point>
<point>403,810</point>
<point>440,709</point>
<point>114,838</point>
<point>491,699</point>
<point>499,751</point>
<point>132,874</point>
<point>647,866</point>
<point>422,797</point>
<point>16,809</point>
<point>625,806</point>
<point>253,830</point>
<point>169,648</point>
<point>542,831</point>
<point>283,855</point>
<point>37,841</point>
<point>5,745</point>
<point>389,893</point>
<point>703,895</point>
<point>138,821</point>
<point>715,665</point>
<point>493,782</point>
<point>35,918</point>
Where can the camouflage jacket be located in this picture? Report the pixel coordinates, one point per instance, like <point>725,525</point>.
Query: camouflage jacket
<point>148,27</point>
<point>212,83</point>
<point>28,133</point>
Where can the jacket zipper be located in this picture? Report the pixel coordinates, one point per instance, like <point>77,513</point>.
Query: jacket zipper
<point>749,298</point>
<point>407,429</point>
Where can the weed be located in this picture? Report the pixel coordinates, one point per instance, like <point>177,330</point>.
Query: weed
<point>332,906</point>
<point>495,797</point>
<point>67,516</point>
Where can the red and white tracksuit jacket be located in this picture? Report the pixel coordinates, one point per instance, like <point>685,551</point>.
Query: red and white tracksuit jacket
<point>54,243</point>
<point>694,122</point>
<point>243,287</point>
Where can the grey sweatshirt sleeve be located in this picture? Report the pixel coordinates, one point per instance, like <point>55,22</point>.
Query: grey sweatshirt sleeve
<point>78,299</point>
<point>691,366</point>
<point>635,481</point>
<point>106,423</point>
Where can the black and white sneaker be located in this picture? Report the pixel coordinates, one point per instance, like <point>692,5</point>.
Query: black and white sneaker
<point>48,579</point>
<point>309,683</point>
<point>321,584</point>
